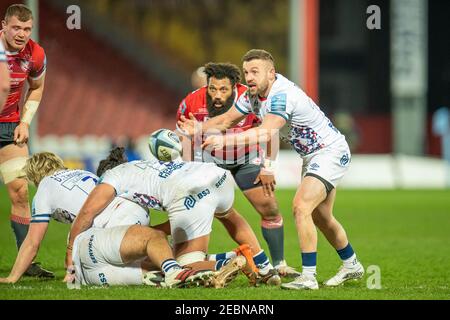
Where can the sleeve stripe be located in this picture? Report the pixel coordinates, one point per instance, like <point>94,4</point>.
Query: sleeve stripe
<point>40,218</point>
<point>39,221</point>
<point>41,215</point>
<point>39,76</point>
<point>241,110</point>
<point>279,114</point>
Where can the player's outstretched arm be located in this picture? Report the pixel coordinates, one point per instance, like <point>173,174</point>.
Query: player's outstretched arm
<point>97,200</point>
<point>262,134</point>
<point>34,97</point>
<point>220,123</point>
<point>28,251</point>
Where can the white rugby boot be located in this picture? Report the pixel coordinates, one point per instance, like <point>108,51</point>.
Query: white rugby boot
<point>346,273</point>
<point>302,282</point>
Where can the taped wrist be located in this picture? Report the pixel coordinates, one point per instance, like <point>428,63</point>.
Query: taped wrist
<point>29,109</point>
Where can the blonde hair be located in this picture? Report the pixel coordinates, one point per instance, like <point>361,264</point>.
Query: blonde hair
<point>41,165</point>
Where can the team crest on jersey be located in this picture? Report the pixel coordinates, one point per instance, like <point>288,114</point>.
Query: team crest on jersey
<point>278,103</point>
<point>189,202</point>
<point>345,159</point>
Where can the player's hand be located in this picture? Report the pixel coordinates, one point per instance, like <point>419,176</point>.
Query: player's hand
<point>214,142</point>
<point>70,275</point>
<point>69,278</point>
<point>189,126</point>
<point>267,179</point>
<point>6,280</point>
<point>21,133</point>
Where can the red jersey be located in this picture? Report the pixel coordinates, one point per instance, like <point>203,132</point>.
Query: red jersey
<point>196,103</point>
<point>30,62</point>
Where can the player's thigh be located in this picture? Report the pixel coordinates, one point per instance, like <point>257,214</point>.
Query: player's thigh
<point>310,193</point>
<point>245,175</point>
<point>223,193</point>
<point>324,211</point>
<point>191,222</point>
<point>136,240</point>
<point>12,150</point>
<point>100,247</point>
<point>12,161</point>
<point>110,275</point>
<point>265,206</point>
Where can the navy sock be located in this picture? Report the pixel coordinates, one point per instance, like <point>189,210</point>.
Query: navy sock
<point>170,265</point>
<point>309,262</point>
<point>346,252</point>
<point>20,228</point>
<point>273,233</point>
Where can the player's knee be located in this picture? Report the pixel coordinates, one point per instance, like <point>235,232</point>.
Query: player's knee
<point>301,210</point>
<point>154,234</point>
<point>268,210</point>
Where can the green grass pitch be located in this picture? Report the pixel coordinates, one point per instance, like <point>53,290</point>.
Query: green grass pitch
<point>404,233</point>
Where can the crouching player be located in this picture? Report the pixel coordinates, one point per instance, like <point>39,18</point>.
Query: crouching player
<point>192,194</point>
<point>60,195</point>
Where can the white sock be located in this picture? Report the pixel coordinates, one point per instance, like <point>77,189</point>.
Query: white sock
<point>309,271</point>
<point>350,262</point>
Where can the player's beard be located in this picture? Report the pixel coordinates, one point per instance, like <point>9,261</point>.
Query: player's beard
<point>213,111</point>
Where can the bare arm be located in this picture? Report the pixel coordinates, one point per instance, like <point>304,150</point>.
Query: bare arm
<point>28,251</point>
<point>4,84</point>
<point>97,200</point>
<point>34,96</point>
<point>219,123</point>
<point>262,134</point>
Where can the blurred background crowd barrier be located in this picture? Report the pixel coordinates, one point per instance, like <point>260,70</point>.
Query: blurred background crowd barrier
<point>123,74</point>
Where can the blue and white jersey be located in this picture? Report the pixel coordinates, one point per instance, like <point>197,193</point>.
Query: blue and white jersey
<point>155,184</point>
<point>309,129</point>
<point>61,195</point>
<point>2,53</point>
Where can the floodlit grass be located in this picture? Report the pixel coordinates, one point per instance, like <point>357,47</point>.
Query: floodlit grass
<point>405,233</point>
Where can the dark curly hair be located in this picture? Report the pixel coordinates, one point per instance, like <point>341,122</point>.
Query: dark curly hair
<point>223,70</point>
<point>116,157</point>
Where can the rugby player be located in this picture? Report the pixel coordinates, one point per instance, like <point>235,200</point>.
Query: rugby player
<point>246,164</point>
<point>26,63</point>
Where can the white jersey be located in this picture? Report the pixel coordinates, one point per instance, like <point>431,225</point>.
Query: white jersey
<point>309,129</point>
<point>61,195</point>
<point>155,184</point>
<point>2,53</point>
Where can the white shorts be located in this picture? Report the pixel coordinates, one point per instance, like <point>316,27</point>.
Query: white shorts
<point>330,163</point>
<point>201,195</point>
<point>97,260</point>
<point>122,212</point>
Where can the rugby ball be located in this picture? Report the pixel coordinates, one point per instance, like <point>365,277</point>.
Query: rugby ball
<point>165,145</point>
